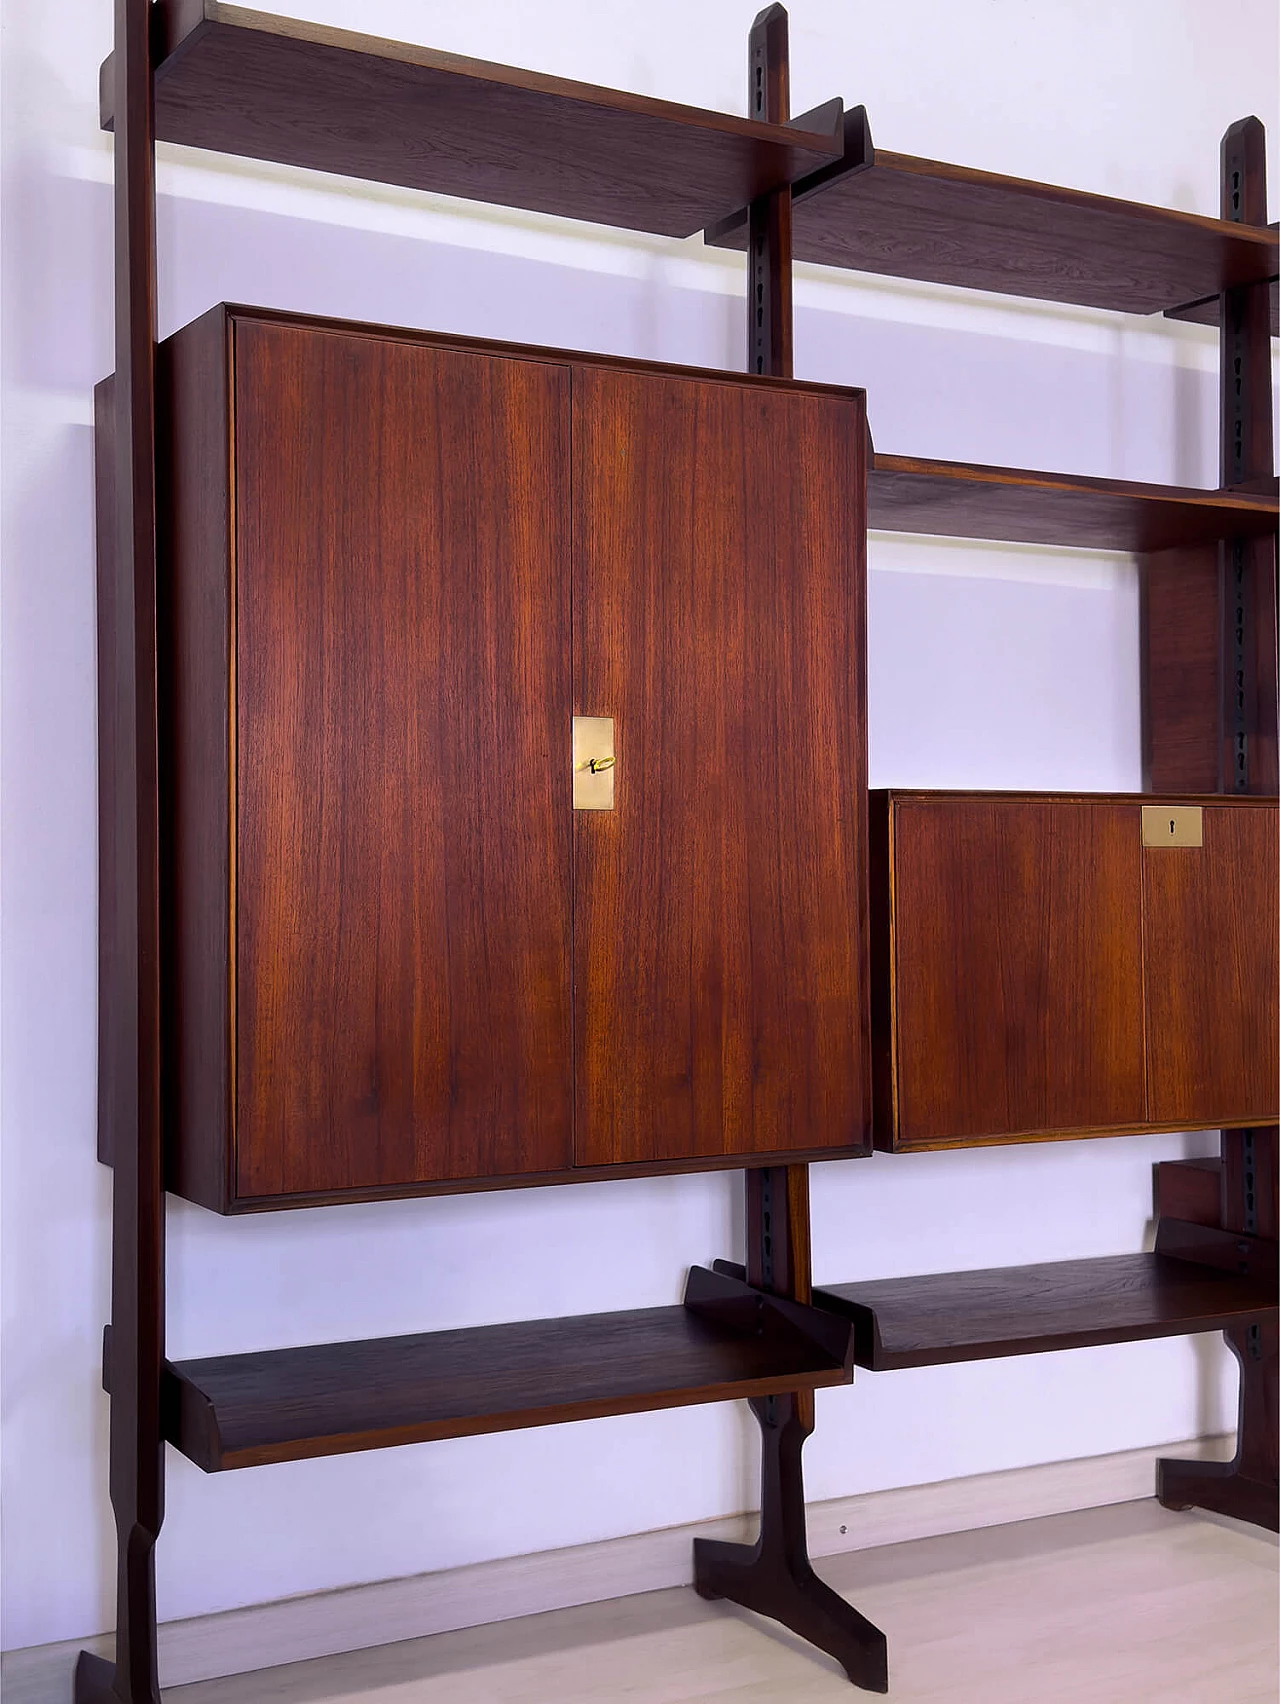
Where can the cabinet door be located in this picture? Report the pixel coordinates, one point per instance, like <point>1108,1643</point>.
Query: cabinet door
<point>403,846</point>
<point>1212,967</point>
<point>1017,976</point>
<point>719,597</point>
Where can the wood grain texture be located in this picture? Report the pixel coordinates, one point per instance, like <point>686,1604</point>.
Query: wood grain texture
<point>326,1399</point>
<point>958,500</point>
<point>1180,617</point>
<point>914,218</point>
<point>243,82</point>
<point>720,938</point>
<point>403,853</point>
<point>1017,982</point>
<point>197,758</point>
<point>330,425</point>
<point>1026,1310</point>
<point>1212,918</point>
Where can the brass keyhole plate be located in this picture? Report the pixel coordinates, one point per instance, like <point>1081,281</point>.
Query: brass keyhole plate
<point>594,763</point>
<point>1172,825</point>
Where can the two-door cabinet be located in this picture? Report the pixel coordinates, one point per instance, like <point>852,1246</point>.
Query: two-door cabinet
<point>394,569</point>
<point>1063,966</point>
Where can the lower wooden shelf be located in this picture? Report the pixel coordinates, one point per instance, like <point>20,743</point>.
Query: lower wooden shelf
<point>1024,1310</point>
<point>726,1341</point>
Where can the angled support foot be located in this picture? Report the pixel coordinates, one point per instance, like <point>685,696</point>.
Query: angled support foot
<point>1247,1488</point>
<point>774,1577</point>
<point>95,1681</point>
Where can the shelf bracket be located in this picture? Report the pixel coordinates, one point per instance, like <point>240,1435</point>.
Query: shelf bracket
<point>1248,1486</point>
<point>774,1576</point>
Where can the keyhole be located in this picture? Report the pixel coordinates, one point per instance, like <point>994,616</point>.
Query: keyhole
<point>1170,825</point>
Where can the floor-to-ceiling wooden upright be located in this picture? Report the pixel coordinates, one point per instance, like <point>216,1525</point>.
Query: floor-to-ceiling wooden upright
<point>1210,683</point>
<point>129,1110</point>
<point>775,1576</point>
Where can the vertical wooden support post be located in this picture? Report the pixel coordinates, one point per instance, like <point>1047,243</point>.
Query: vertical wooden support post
<point>1248,643</point>
<point>130,820</point>
<point>774,1576</point>
<point>769,245</point>
<point>1209,613</point>
<point>1239,725</point>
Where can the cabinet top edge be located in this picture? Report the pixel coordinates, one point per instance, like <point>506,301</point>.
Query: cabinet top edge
<point>238,313</point>
<point>978,795</point>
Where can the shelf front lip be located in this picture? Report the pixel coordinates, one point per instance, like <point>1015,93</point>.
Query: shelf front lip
<point>1251,254</point>
<point>1244,1301</point>
<point>215,1438</point>
<point>779,154</point>
<point>921,496</point>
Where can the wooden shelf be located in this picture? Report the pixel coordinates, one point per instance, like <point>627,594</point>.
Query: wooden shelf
<point>242,82</point>
<point>726,1341</point>
<point>1206,312</point>
<point>959,500</point>
<point>911,218</point>
<point>1025,1310</point>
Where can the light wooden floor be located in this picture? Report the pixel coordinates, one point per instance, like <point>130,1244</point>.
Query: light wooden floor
<point>1111,1606</point>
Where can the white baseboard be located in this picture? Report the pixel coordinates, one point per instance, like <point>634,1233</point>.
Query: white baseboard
<point>326,1623</point>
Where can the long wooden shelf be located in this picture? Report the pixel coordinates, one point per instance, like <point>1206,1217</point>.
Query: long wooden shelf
<point>874,211</point>
<point>1025,1310</point>
<point>244,82</point>
<point>726,1341</point>
<point>961,500</point>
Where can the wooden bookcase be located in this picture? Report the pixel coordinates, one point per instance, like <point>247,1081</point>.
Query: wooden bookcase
<point>254,578</point>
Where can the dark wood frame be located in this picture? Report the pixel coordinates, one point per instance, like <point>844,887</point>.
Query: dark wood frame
<point>1209,619</point>
<point>129,1077</point>
<point>1227,724</point>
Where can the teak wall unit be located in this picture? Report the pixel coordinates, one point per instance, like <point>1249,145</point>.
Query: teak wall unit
<point>255,578</point>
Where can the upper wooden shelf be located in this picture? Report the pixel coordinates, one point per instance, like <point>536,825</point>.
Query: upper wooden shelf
<point>279,1405</point>
<point>1026,1310</point>
<point>960,500</point>
<point>243,82</point>
<point>910,218</point>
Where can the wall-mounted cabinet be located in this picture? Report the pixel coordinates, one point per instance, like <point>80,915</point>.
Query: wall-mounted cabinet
<point>394,568</point>
<point>1039,970</point>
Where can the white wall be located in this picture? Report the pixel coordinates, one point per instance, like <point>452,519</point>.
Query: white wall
<point>989,667</point>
